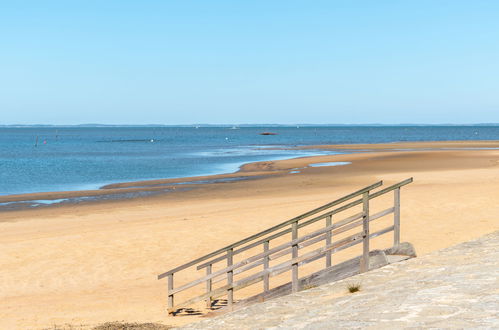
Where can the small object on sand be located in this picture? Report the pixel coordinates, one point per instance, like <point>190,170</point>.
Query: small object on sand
<point>268,133</point>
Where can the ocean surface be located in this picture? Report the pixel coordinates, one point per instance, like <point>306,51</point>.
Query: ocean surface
<point>41,159</point>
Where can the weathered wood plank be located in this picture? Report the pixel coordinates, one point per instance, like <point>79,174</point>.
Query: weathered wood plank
<point>245,248</point>
<point>357,239</point>
<point>381,232</point>
<point>241,270</point>
<point>381,214</point>
<point>365,229</point>
<point>266,264</point>
<point>329,221</point>
<point>300,246</point>
<point>294,270</point>
<point>315,240</point>
<point>208,286</point>
<point>345,221</point>
<point>396,217</point>
<point>230,279</point>
<point>170,289</point>
<point>360,222</point>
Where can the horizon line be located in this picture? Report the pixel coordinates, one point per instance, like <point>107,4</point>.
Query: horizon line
<point>243,125</point>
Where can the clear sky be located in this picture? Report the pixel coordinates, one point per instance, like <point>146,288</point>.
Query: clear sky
<point>181,62</point>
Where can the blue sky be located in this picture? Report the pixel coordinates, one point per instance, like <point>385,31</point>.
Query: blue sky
<point>181,62</point>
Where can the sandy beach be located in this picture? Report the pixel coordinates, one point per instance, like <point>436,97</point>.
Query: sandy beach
<point>89,263</point>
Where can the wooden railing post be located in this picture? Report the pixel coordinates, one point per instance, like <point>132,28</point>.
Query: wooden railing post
<point>294,270</point>
<point>230,279</point>
<point>329,222</point>
<point>266,261</point>
<point>170,289</point>
<point>208,285</point>
<point>396,217</point>
<point>364,267</point>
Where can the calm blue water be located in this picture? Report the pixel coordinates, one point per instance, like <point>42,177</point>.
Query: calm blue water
<point>77,158</point>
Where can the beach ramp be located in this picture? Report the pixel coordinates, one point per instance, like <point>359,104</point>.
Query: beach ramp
<point>329,243</point>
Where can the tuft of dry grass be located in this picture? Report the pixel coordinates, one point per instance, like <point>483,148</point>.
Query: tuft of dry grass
<point>353,287</point>
<point>309,286</point>
<point>131,326</point>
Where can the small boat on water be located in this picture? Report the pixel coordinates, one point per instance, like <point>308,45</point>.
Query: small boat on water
<point>268,133</point>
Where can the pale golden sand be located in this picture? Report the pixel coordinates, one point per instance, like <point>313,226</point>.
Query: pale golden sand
<point>88,264</point>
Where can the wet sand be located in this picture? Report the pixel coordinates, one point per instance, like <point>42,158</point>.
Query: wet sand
<point>84,264</point>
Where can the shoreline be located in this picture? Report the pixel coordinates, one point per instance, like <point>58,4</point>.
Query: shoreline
<point>247,171</point>
<point>124,187</point>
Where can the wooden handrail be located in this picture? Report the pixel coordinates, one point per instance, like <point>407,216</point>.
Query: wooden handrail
<point>308,222</point>
<point>276,269</point>
<point>279,226</point>
<point>280,249</point>
<point>264,254</point>
<point>291,247</point>
<point>283,267</point>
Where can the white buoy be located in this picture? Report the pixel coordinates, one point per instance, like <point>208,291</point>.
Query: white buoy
<point>152,140</point>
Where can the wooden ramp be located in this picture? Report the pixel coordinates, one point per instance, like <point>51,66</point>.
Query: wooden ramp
<point>287,248</point>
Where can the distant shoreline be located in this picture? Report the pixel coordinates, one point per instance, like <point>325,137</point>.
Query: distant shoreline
<point>247,125</point>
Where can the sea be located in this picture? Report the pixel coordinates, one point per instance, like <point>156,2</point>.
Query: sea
<point>45,159</point>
